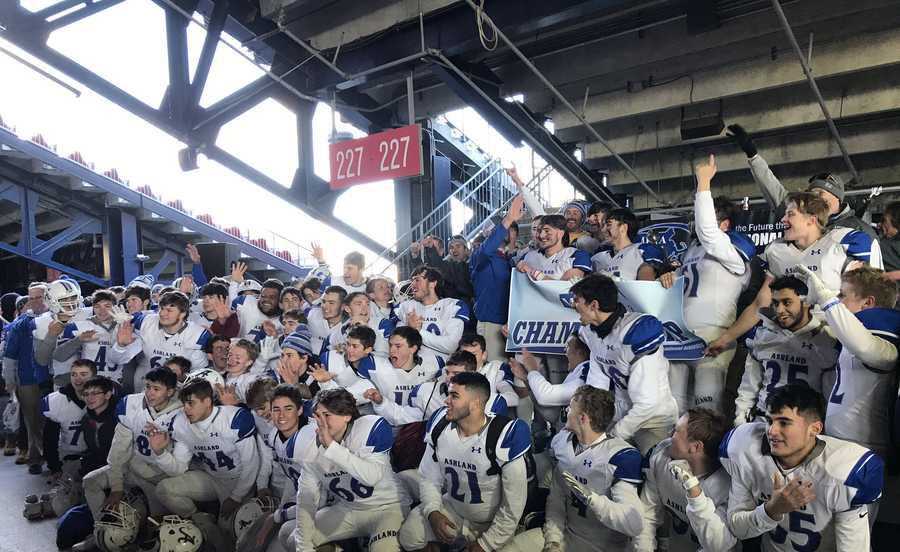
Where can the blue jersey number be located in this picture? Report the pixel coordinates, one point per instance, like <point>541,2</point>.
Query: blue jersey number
<point>221,461</point>
<point>796,521</point>
<point>837,398</point>
<point>578,505</point>
<point>691,274</point>
<point>100,359</point>
<point>456,492</point>
<point>793,370</point>
<point>156,362</point>
<point>433,328</point>
<point>75,435</point>
<point>143,445</point>
<point>357,490</point>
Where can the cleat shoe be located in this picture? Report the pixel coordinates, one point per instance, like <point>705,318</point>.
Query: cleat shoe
<point>35,469</point>
<point>33,510</point>
<point>87,545</point>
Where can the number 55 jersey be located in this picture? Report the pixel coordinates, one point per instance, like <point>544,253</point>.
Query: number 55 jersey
<point>845,476</point>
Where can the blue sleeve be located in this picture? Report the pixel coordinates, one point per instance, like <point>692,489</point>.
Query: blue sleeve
<point>137,319</point>
<point>462,311</point>
<point>517,440</point>
<point>581,260</point>
<point>645,336</point>
<point>45,405</point>
<point>651,253</point>
<point>386,326</point>
<point>12,343</point>
<point>200,278</point>
<point>121,409</point>
<point>499,406</point>
<point>239,300</point>
<point>743,244</point>
<point>490,246</point>
<point>381,436</point>
<point>507,372</point>
<point>244,424</point>
<point>867,477</point>
<point>858,245</point>
<point>68,332</point>
<point>628,465</point>
<point>204,338</point>
<point>723,446</point>
<point>884,323</point>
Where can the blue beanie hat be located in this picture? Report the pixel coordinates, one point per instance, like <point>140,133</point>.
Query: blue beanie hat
<point>577,204</point>
<point>299,340</point>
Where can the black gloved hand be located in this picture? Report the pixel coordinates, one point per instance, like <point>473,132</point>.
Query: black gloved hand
<point>742,139</point>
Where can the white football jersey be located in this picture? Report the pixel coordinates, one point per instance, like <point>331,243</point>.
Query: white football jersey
<point>213,441</point>
<point>712,287</point>
<point>460,466</point>
<point>133,413</point>
<point>40,332</point>
<point>629,362</point>
<point>845,477</point>
<point>396,384</point>
<point>697,524</point>
<point>97,349</point>
<point>624,264</point>
<point>251,318</point>
<point>777,357</point>
<point>442,323</point>
<point>369,438</point>
<point>340,282</point>
<point>828,257</point>
<point>60,408</point>
<point>159,346</point>
<point>554,266</point>
<point>500,376</point>
<point>860,408</point>
<point>291,455</point>
<point>319,330</point>
<point>597,466</point>
<point>241,383</point>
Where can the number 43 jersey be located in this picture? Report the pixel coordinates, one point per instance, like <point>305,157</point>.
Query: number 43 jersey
<point>845,477</point>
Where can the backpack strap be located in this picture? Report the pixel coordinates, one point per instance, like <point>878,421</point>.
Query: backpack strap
<point>495,428</point>
<point>436,430</point>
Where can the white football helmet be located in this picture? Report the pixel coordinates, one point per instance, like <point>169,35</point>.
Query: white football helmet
<point>251,511</point>
<point>193,293</point>
<point>64,495</point>
<point>117,527</point>
<point>64,297</point>
<point>250,285</point>
<point>179,535</point>
<point>214,378</point>
<point>402,292</point>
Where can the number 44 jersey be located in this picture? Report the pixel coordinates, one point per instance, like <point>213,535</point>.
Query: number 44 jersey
<point>845,476</point>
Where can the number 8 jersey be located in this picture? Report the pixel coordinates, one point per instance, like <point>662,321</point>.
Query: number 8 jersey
<point>845,476</point>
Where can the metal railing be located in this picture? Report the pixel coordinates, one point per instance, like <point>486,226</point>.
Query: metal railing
<point>482,196</point>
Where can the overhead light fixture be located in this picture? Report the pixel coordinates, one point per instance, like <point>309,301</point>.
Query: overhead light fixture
<point>187,159</point>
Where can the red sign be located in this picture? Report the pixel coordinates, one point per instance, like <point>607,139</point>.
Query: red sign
<point>390,154</point>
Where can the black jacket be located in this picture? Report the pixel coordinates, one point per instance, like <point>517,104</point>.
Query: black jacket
<point>98,434</point>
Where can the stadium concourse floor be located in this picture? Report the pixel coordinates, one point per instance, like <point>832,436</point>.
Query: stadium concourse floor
<point>16,533</point>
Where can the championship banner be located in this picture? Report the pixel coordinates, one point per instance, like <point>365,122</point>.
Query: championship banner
<point>541,315</point>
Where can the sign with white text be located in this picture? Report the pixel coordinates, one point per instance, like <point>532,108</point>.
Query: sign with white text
<point>386,155</point>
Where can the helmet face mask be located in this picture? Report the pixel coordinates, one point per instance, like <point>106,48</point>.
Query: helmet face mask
<point>64,298</point>
<point>117,527</point>
<point>251,511</point>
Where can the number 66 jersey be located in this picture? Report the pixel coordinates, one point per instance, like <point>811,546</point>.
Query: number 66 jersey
<point>845,477</point>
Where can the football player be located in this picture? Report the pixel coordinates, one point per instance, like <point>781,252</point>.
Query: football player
<point>352,463</point>
<point>130,462</point>
<point>63,410</point>
<point>553,259</point>
<point>795,487</point>
<point>626,358</point>
<point>593,502</point>
<point>358,311</point>
<point>252,311</point>
<point>473,477</point>
<point>715,270</point>
<point>439,320</point>
<point>241,356</point>
<point>221,442</point>
<point>160,335</point>
<point>685,484</point>
<point>92,338</point>
<point>327,316</point>
<point>627,260</point>
<point>789,346</point>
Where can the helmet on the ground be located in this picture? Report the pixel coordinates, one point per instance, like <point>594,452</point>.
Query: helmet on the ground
<point>179,535</point>
<point>117,527</point>
<point>250,511</point>
<point>64,297</point>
